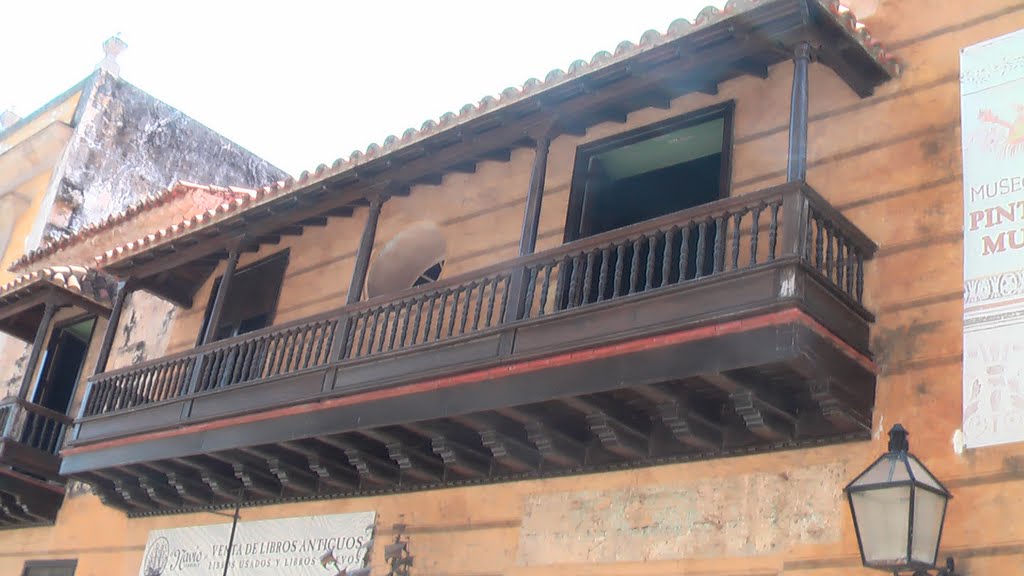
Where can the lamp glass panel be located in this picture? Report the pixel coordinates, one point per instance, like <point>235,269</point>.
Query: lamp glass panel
<point>890,468</point>
<point>922,475</point>
<point>883,522</point>
<point>929,509</point>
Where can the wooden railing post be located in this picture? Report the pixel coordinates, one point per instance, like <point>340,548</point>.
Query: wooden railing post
<point>795,212</point>
<point>10,413</point>
<point>222,296</point>
<point>796,169</point>
<point>49,309</point>
<point>362,264</point>
<point>112,323</point>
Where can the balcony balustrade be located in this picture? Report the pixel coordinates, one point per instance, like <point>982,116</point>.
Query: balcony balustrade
<point>766,289</point>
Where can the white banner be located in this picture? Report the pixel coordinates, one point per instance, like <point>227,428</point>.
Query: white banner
<point>992,127</point>
<point>314,545</point>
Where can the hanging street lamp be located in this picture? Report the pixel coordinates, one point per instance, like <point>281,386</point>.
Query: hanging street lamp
<point>898,510</point>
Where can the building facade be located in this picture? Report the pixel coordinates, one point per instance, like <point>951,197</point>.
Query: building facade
<point>648,315</point>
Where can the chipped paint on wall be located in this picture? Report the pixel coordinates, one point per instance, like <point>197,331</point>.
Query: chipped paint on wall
<point>143,331</point>
<point>747,515</point>
<point>128,144</point>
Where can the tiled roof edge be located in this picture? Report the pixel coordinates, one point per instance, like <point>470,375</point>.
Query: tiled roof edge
<point>174,191</point>
<point>626,49</point>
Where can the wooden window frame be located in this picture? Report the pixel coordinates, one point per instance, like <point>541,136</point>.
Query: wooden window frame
<point>282,254</point>
<point>725,110</point>
<point>44,355</point>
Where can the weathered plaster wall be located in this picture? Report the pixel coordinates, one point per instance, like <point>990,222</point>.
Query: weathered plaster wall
<point>892,164</point>
<point>129,144</point>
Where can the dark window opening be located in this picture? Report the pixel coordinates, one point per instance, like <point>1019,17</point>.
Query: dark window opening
<point>62,364</point>
<point>646,173</point>
<point>50,568</point>
<point>430,275</point>
<point>251,301</point>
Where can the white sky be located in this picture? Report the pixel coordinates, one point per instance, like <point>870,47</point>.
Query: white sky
<point>300,82</point>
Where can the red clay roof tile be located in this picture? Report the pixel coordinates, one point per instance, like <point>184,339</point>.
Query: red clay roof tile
<point>487,104</point>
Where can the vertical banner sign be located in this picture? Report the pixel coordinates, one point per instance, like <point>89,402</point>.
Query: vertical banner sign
<point>315,545</point>
<point>992,123</point>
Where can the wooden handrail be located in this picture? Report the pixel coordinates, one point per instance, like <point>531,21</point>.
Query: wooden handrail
<point>385,320</point>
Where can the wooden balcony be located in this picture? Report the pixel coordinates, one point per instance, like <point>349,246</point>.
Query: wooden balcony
<point>31,490</point>
<point>730,328</point>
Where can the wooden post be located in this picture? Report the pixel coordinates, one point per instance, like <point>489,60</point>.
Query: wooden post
<point>796,169</point>
<point>222,296</point>
<point>49,310</point>
<point>355,289</point>
<point>111,331</point>
<point>534,197</point>
<point>531,222</point>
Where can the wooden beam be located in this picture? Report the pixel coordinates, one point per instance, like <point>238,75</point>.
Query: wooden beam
<point>111,330</point>
<point>296,478</point>
<point>341,211</point>
<point>796,167</point>
<point>763,413</point>
<point>459,448</point>
<point>331,470</point>
<point>686,424</point>
<point>159,492</point>
<point>498,155</point>
<point>429,180</point>
<point>167,291</point>
<point>221,298</point>
<point>185,483</point>
<point>534,197</point>
<point>128,489</point>
<point>414,460</point>
<point>290,231</point>
<point>463,168</point>
<point>372,468</point>
<point>620,433</point>
<point>844,410</point>
<point>554,445</point>
<point>314,221</point>
<point>364,252</point>
<point>31,368</point>
<point>508,446</point>
<point>221,482</point>
<point>254,478</point>
<point>273,239</point>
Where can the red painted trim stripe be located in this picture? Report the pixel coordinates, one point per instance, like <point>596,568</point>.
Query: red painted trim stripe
<point>733,327</point>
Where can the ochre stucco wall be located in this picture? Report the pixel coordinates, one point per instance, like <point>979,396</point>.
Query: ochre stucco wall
<point>891,163</point>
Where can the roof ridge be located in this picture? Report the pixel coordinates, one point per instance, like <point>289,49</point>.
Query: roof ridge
<point>176,189</point>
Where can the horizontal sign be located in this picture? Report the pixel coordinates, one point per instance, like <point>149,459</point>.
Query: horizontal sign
<point>320,545</point>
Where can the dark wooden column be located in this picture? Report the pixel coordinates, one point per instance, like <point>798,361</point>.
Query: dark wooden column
<point>222,296</point>
<point>111,331</point>
<point>49,310</point>
<point>355,289</point>
<point>797,166</point>
<point>534,197</point>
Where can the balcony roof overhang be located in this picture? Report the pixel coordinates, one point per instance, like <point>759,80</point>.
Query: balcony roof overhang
<point>647,402</point>
<point>22,300</point>
<point>746,38</point>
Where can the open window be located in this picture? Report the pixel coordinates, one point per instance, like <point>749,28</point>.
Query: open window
<point>62,364</point>
<point>640,175</point>
<point>649,172</point>
<point>251,300</point>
